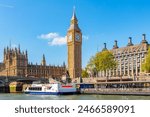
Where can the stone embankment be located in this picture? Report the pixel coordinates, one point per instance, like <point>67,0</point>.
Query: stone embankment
<point>119,91</point>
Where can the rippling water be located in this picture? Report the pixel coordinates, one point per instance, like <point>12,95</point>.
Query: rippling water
<point>70,97</point>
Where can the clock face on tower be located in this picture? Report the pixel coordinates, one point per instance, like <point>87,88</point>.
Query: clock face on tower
<point>77,37</point>
<point>70,38</point>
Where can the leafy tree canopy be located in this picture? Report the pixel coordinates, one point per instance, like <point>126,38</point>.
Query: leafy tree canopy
<point>104,61</point>
<point>146,64</point>
<point>85,74</point>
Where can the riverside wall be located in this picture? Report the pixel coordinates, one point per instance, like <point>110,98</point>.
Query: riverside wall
<point>119,91</point>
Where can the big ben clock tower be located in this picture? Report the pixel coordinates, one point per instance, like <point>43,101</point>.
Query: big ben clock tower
<point>74,43</point>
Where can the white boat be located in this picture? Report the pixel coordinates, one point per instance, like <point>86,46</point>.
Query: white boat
<point>51,89</point>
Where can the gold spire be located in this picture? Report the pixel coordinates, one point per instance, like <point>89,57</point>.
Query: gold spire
<point>74,14</point>
<point>74,22</point>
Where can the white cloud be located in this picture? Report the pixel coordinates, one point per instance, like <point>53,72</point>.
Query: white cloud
<point>54,38</point>
<point>58,41</point>
<point>48,36</point>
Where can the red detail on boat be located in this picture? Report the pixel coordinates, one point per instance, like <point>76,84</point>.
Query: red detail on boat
<point>66,86</point>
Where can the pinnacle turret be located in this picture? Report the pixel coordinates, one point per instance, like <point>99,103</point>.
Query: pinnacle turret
<point>43,61</point>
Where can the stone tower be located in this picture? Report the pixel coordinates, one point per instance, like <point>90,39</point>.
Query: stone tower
<point>74,43</point>
<point>43,62</point>
<point>15,62</point>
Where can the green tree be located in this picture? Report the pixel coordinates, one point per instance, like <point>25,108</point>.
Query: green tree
<point>146,63</point>
<point>104,61</point>
<point>91,69</point>
<point>85,73</point>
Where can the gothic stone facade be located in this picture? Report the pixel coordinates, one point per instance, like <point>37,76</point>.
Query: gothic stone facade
<point>15,63</point>
<point>129,59</point>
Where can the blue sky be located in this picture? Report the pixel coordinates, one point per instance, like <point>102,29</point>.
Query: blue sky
<point>40,26</point>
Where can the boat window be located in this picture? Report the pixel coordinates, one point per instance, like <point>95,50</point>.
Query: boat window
<point>35,88</point>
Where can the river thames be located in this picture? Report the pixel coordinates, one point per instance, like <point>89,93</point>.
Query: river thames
<point>70,97</point>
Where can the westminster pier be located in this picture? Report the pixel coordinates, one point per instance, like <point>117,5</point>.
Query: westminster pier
<point>117,88</point>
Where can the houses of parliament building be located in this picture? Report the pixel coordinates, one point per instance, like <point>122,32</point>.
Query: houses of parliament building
<point>15,61</point>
